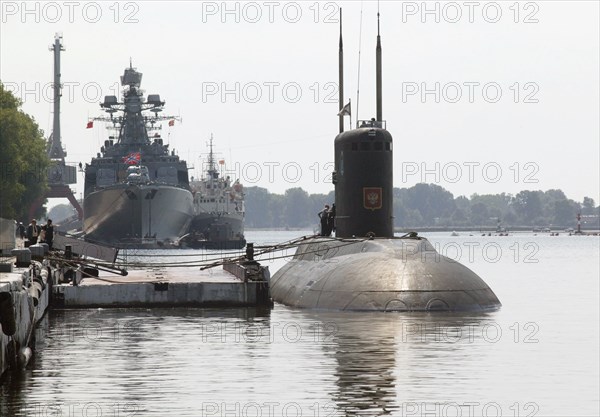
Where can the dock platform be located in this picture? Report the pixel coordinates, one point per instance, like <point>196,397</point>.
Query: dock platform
<point>235,285</point>
<point>32,279</point>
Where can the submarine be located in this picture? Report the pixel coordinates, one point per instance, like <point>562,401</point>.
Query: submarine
<point>365,267</point>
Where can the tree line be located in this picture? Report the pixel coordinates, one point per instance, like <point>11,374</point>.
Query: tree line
<point>426,205</point>
<point>423,205</point>
<point>23,159</point>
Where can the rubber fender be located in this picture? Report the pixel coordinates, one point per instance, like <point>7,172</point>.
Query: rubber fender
<point>24,356</point>
<point>35,292</point>
<point>45,273</point>
<point>7,314</point>
<point>40,281</point>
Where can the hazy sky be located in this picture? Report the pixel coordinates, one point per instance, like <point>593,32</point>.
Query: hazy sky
<point>480,97</point>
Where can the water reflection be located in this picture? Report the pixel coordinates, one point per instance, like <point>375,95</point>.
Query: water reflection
<point>357,364</point>
<point>365,367</point>
<point>127,361</point>
<point>388,363</point>
<point>191,362</point>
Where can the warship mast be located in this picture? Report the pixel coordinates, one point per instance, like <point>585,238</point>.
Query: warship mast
<point>212,170</point>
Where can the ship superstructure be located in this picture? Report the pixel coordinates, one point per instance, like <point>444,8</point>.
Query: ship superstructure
<point>219,210</point>
<point>137,191</point>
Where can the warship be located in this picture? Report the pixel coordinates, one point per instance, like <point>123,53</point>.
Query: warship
<point>137,192</point>
<point>365,267</point>
<point>218,221</point>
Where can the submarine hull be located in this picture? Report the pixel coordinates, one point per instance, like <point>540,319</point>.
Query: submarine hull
<point>379,275</point>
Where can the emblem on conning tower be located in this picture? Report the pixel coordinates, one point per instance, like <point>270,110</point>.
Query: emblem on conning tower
<point>372,198</point>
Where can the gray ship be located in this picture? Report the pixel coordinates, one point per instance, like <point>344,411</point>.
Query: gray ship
<point>137,192</point>
<point>218,221</point>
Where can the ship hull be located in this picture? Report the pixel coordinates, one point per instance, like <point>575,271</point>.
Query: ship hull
<point>210,231</point>
<point>137,215</point>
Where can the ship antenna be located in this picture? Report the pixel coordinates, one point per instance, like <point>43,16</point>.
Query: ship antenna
<point>211,159</point>
<point>359,53</point>
<point>378,72</point>
<point>341,76</point>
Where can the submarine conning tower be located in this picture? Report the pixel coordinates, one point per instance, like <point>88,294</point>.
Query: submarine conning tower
<point>364,168</point>
<point>363,181</point>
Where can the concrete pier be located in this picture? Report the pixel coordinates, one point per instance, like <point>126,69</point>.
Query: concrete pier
<point>233,286</point>
<point>31,280</point>
<point>24,299</point>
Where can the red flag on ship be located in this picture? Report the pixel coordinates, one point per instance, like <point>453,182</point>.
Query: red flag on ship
<point>221,162</point>
<point>133,158</point>
<point>90,124</point>
<point>171,122</point>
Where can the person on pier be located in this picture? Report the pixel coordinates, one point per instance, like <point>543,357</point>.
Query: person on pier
<point>48,228</point>
<point>33,232</point>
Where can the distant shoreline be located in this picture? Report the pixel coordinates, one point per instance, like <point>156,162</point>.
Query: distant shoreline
<point>277,229</point>
<point>487,229</point>
<point>520,229</point>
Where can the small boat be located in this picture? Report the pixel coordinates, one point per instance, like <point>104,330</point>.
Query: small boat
<point>218,221</point>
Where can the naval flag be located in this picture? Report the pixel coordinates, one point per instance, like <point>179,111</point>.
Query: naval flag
<point>90,124</point>
<point>171,122</point>
<point>345,110</point>
<point>133,158</point>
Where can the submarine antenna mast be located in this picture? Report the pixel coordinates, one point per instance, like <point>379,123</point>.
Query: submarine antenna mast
<point>378,72</point>
<point>341,76</point>
<point>359,54</point>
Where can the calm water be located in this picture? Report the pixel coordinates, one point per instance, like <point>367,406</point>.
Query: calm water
<point>538,355</point>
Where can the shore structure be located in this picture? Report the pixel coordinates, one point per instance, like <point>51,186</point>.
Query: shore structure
<point>25,288</point>
<point>80,274</point>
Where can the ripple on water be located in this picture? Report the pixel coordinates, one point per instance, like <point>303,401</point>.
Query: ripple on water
<point>178,362</point>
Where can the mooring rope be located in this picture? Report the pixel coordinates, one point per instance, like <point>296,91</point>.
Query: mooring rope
<point>261,251</point>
